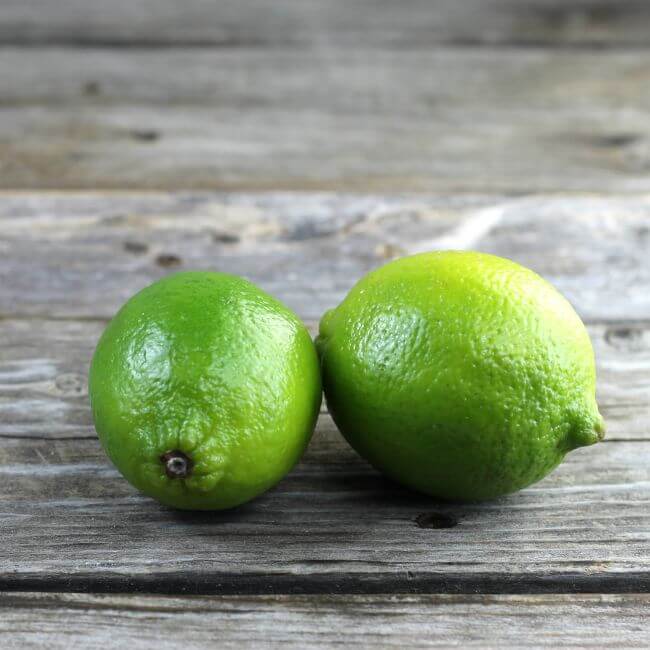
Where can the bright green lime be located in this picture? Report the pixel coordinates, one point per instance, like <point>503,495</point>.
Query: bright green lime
<point>463,375</point>
<point>204,390</point>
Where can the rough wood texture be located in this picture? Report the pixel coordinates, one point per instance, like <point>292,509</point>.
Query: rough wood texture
<point>69,522</point>
<point>138,622</point>
<point>500,96</point>
<point>82,256</point>
<point>326,23</point>
<point>452,120</point>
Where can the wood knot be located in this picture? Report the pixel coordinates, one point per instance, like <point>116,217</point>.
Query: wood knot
<point>625,338</point>
<point>70,384</point>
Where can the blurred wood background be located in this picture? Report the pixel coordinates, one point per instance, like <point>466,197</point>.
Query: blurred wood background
<point>301,144</point>
<point>455,95</point>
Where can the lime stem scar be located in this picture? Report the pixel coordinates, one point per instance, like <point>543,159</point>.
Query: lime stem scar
<point>177,464</point>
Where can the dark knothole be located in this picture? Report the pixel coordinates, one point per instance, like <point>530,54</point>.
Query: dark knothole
<point>435,520</point>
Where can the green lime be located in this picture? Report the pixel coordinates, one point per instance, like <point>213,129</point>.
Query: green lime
<point>204,390</point>
<point>459,374</point>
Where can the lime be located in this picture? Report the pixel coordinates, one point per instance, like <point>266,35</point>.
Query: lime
<point>459,374</point>
<point>204,390</point>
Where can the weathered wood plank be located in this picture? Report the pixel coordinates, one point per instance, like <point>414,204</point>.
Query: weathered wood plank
<point>362,120</point>
<point>43,367</point>
<point>308,249</point>
<point>70,522</point>
<point>326,23</point>
<point>55,621</point>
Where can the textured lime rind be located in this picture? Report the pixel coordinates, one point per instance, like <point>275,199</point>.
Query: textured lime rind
<point>209,365</point>
<point>460,374</point>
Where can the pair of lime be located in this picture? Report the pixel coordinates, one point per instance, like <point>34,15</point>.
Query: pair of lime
<point>459,374</point>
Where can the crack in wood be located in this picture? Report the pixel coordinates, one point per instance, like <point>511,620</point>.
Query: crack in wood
<point>348,583</point>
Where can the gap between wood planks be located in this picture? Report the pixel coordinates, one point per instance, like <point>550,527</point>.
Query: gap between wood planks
<point>336,583</point>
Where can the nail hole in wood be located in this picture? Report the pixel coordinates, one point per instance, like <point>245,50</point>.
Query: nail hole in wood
<point>435,520</point>
<point>224,238</point>
<point>91,88</point>
<point>167,261</point>
<point>615,140</point>
<point>135,247</point>
<point>145,135</point>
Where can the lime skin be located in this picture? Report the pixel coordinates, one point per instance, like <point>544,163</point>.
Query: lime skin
<point>204,390</point>
<point>462,375</point>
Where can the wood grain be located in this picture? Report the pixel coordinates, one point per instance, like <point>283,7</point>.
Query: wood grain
<point>142,622</point>
<point>504,97</point>
<point>326,23</point>
<point>82,256</point>
<point>451,119</point>
<point>70,522</point>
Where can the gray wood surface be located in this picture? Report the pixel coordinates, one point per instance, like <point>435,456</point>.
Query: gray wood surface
<point>326,23</point>
<point>69,522</point>
<point>451,119</point>
<point>81,256</point>
<point>438,621</point>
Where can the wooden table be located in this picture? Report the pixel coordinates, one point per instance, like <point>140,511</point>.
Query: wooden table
<point>301,144</point>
